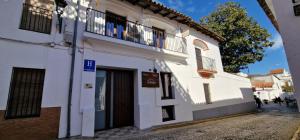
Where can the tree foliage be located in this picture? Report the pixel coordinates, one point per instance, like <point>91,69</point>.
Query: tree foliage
<point>245,39</point>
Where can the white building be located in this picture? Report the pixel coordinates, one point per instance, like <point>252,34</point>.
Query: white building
<point>267,87</point>
<point>284,77</point>
<point>271,85</point>
<point>137,63</point>
<point>285,16</point>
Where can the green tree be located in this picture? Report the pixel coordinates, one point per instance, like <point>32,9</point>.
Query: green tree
<point>245,39</point>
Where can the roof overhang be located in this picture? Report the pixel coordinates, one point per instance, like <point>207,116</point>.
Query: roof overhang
<point>172,14</point>
<point>269,13</point>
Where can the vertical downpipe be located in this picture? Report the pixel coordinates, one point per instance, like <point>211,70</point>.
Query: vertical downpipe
<point>74,46</point>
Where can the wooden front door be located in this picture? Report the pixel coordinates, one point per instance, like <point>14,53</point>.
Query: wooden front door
<point>123,98</point>
<point>118,108</point>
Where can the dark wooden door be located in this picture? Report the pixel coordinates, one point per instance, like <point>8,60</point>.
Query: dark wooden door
<point>123,98</point>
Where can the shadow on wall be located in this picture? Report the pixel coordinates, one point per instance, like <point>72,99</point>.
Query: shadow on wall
<point>182,92</point>
<point>246,94</point>
<point>203,110</point>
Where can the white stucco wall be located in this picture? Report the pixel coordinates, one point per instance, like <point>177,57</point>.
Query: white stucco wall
<point>55,61</point>
<point>289,29</point>
<point>226,89</point>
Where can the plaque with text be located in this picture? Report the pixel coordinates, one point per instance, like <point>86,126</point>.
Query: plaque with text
<point>150,79</point>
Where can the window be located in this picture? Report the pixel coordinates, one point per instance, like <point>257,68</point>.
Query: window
<point>166,85</point>
<point>199,58</point>
<point>168,113</point>
<point>37,16</point>
<point>207,93</point>
<point>25,94</point>
<point>158,37</point>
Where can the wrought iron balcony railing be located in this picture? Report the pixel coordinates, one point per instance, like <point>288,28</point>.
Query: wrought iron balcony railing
<point>206,64</point>
<point>117,27</point>
<point>36,19</point>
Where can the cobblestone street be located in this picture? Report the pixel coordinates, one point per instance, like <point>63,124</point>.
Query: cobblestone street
<point>274,122</point>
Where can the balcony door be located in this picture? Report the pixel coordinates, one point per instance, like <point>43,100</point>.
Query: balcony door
<point>115,25</point>
<point>158,37</point>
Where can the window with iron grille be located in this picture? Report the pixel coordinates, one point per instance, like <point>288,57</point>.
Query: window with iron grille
<point>168,113</point>
<point>37,16</point>
<point>166,85</point>
<point>25,94</point>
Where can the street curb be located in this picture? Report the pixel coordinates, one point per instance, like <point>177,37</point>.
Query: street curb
<point>296,134</point>
<point>190,123</point>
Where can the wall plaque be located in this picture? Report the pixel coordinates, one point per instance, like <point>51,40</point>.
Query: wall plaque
<point>150,79</point>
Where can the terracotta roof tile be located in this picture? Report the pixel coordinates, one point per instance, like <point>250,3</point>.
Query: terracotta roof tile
<point>259,84</point>
<point>277,71</point>
<point>172,14</point>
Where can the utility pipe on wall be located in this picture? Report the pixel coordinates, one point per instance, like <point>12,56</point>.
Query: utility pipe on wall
<point>74,48</point>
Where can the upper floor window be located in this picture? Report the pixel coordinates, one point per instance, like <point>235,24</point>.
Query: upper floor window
<point>204,63</point>
<point>37,16</point>
<point>115,25</point>
<point>199,58</point>
<point>166,85</point>
<point>25,94</point>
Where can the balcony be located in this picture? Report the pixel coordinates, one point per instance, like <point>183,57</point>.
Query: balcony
<point>206,66</point>
<point>36,19</point>
<point>117,27</point>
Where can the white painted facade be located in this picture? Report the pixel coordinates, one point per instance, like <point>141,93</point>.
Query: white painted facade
<point>20,48</point>
<point>278,81</point>
<point>267,93</point>
<point>289,30</point>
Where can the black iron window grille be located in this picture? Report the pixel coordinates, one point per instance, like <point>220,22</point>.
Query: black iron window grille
<point>25,94</point>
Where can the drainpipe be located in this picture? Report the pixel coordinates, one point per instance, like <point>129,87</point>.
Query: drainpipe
<point>72,69</point>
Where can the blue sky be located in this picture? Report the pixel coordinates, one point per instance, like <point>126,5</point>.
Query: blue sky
<point>274,57</point>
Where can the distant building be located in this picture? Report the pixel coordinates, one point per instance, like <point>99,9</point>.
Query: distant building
<point>284,77</point>
<point>271,85</point>
<point>285,16</point>
<point>266,86</point>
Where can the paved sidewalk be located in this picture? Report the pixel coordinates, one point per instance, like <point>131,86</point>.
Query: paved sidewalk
<point>273,123</point>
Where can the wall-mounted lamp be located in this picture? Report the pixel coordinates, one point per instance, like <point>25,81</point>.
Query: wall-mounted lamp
<point>60,6</point>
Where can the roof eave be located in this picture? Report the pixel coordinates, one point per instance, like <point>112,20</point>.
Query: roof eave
<point>269,13</point>
<point>158,8</point>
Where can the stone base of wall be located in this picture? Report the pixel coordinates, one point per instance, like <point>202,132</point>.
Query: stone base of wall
<point>224,111</point>
<point>44,127</point>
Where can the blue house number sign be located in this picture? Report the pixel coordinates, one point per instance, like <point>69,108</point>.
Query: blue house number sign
<point>89,65</point>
